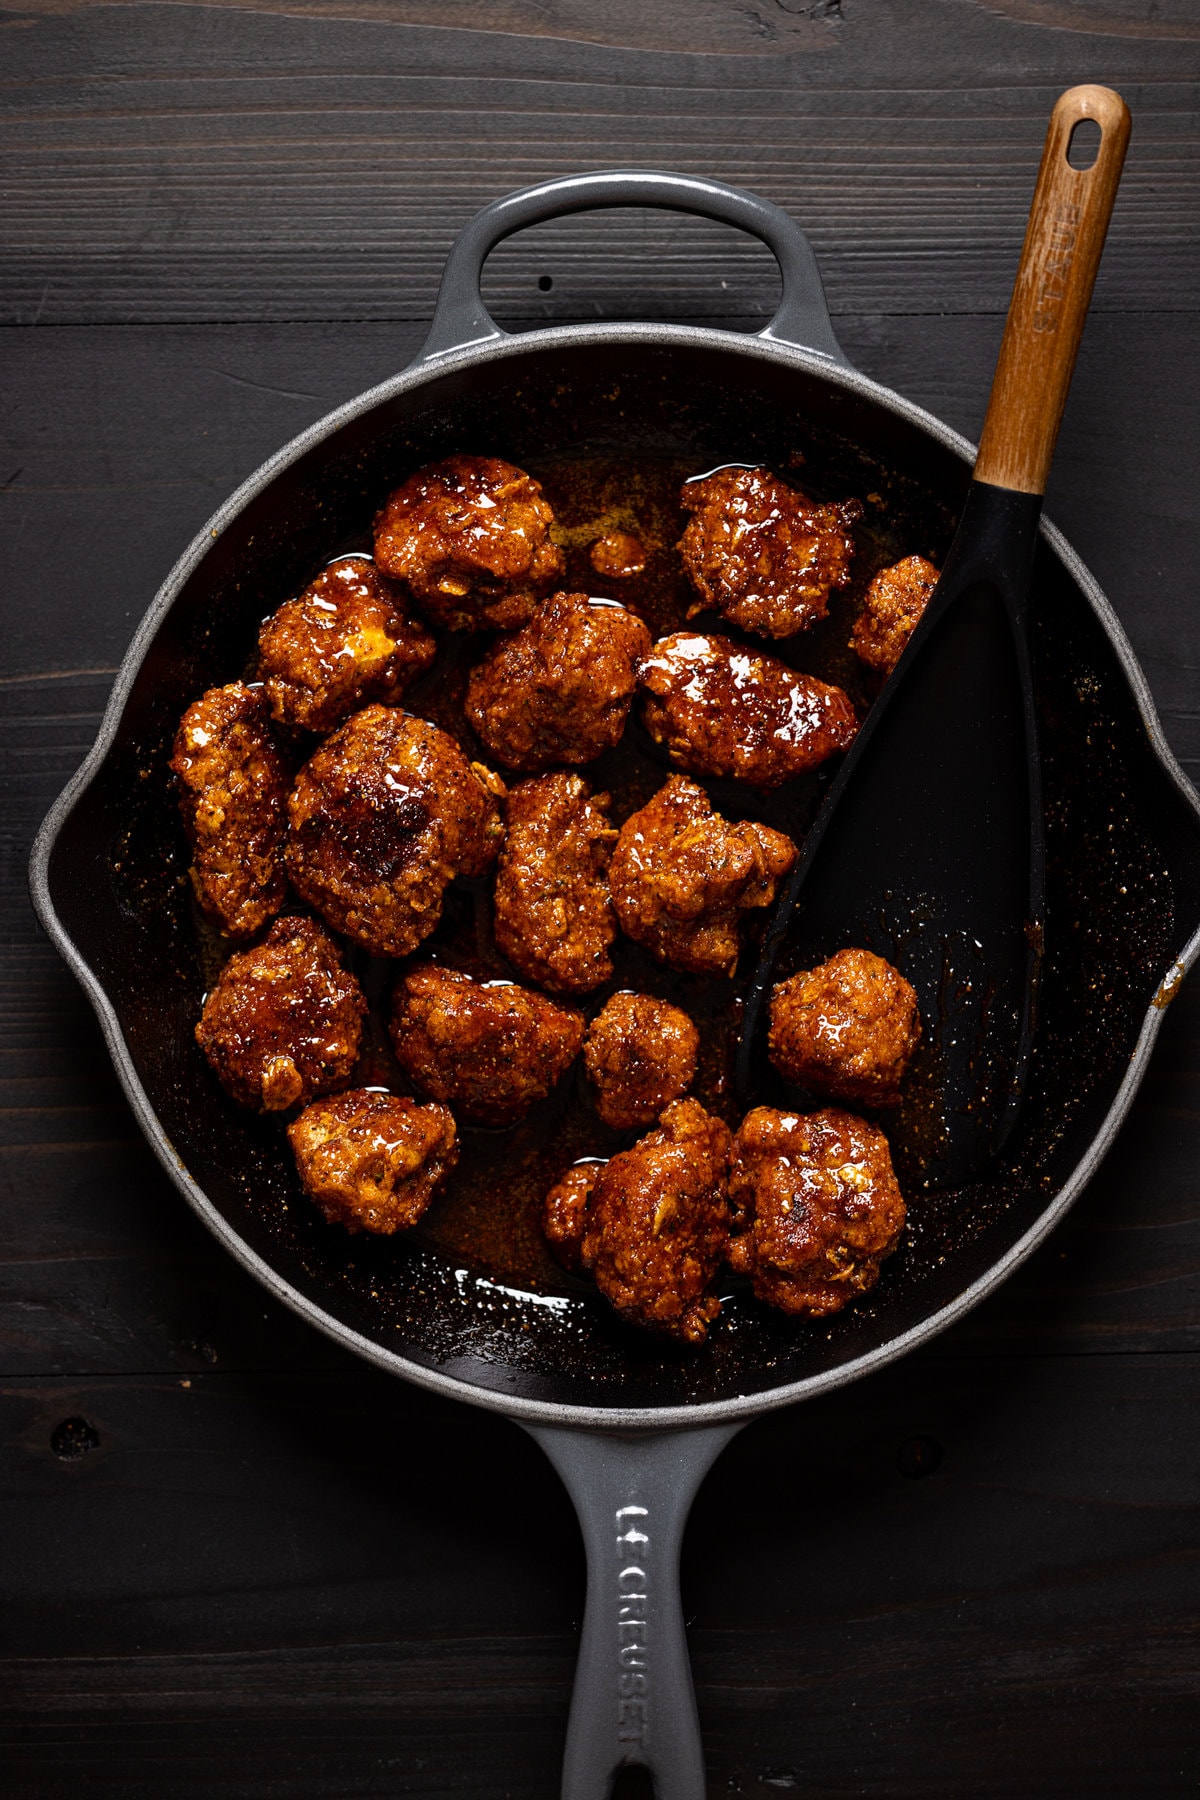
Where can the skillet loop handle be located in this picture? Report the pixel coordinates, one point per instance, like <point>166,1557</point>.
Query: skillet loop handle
<point>461,319</point>
<point>633,1703</point>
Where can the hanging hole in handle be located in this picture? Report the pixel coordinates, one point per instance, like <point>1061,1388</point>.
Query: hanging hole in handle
<point>1083,145</point>
<point>633,1783</point>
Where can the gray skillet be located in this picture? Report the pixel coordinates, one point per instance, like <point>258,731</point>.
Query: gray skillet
<point>630,1426</point>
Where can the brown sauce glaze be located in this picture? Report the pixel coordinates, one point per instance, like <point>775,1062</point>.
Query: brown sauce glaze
<point>487,1217</point>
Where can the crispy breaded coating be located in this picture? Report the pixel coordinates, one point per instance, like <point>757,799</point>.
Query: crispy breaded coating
<point>846,1029</point>
<point>553,917</point>
<point>564,1216</point>
<point>284,1021</point>
<point>640,1054</point>
<point>816,1208</point>
<point>761,553</point>
<point>657,1224</point>
<point>382,818</point>
<point>560,690</point>
<point>341,643</point>
<point>489,1047</point>
<point>722,709</point>
<point>891,609</point>
<point>373,1161</point>
<point>233,784</point>
<point>681,876</point>
<point>471,537</point>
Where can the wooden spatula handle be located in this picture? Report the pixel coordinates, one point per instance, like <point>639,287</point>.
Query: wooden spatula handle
<point>1067,225</point>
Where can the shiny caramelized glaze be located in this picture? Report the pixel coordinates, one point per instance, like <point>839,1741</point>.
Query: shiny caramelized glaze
<point>725,709</point>
<point>761,553</point>
<point>846,1029</point>
<point>488,1212</point>
<point>233,784</point>
<point>892,607</point>
<point>558,691</point>
<point>471,537</point>
<point>284,1022</point>
<point>682,876</point>
<point>817,1207</point>
<point>640,1054</point>
<point>552,914</point>
<point>346,640</point>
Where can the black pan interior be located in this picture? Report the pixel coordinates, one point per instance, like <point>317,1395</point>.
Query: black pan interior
<point>1123,875</point>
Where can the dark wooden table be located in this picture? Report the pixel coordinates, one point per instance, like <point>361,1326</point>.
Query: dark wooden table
<point>237,1564</point>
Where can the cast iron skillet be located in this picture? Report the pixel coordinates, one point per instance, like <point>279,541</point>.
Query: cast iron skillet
<point>630,1424</point>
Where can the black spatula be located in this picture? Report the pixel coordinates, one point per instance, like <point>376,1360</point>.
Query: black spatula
<point>929,846</point>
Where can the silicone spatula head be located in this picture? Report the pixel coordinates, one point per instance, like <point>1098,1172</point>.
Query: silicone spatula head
<point>929,846</point>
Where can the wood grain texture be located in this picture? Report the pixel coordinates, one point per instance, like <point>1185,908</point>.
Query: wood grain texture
<point>310,1611</point>
<point>1142,19</point>
<point>704,27</point>
<point>1060,258</point>
<point>176,162</point>
<point>275,1573</point>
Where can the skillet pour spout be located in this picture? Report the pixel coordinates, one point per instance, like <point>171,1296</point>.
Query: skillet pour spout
<point>1121,920</point>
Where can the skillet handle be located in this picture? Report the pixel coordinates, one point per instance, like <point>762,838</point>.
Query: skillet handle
<point>633,1704</point>
<point>461,318</point>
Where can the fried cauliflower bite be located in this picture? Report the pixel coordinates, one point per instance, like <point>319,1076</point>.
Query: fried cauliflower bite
<point>553,917</point>
<point>489,1047</point>
<point>284,1021</point>
<point>471,538</point>
<point>845,1029</point>
<point>681,877</point>
<point>657,1224</point>
<point>816,1208</point>
<point>233,785</point>
<point>382,818</point>
<point>373,1161</point>
<point>891,611</point>
<point>564,1215</point>
<point>761,553</point>
<point>640,1055</point>
<point>722,709</point>
<point>618,555</point>
<point>560,690</point>
<point>341,643</point>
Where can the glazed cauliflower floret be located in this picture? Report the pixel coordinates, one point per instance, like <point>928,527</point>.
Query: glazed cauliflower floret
<point>233,786</point>
<point>816,1208</point>
<point>284,1021</point>
<point>373,1161</point>
<point>891,610</point>
<point>640,1054</point>
<point>471,537</point>
<point>382,819</point>
<point>618,555</point>
<point>761,553</point>
<point>560,690</point>
<point>681,876</point>
<point>553,917</point>
<point>342,642</point>
<point>846,1029</point>
<point>656,1224</point>
<point>489,1047</point>
<point>564,1215</point>
<point>721,709</point>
